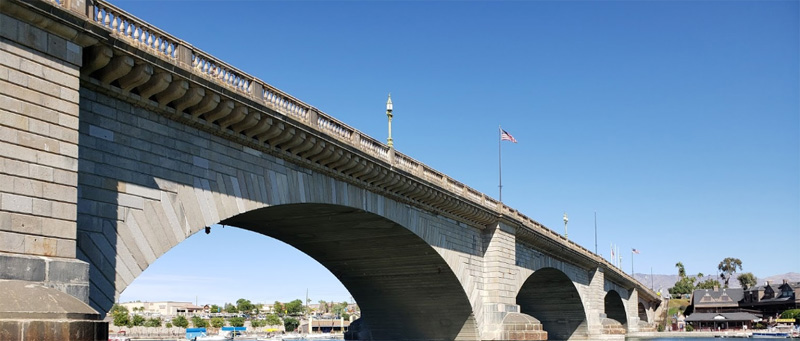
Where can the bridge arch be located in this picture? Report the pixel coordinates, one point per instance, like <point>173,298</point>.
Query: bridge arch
<point>132,211</point>
<point>551,297</point>
<point>615,308</point>
<point>642,312</point>
<point>413,294</point>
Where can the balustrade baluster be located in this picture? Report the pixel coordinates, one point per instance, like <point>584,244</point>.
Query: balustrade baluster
<point>115,23</point>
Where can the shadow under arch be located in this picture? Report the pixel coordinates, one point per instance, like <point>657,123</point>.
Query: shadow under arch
<point>405,289</point>
<point>550,296</point>
<point>642,313</point>
<point>614,307</point>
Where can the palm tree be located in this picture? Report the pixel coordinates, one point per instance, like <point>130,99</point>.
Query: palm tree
<point>681,269</point>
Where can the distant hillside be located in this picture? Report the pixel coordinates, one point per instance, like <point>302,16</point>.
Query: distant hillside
<point>667,281</point>
<point>789,276</point>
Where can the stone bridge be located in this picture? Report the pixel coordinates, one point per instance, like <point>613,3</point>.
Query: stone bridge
<point>118,141</point>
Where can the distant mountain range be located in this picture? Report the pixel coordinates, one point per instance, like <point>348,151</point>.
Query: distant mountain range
<point>663,282</point>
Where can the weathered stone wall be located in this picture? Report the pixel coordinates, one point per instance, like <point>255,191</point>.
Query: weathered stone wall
<point>39,157</point>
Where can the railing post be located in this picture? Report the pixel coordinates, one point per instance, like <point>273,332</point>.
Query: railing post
<point>313,119</point>
<point>183,55</point>
<point>256,90</point>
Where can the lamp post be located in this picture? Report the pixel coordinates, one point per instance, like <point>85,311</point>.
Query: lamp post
<point>566,233</point>
<point>389,115</point>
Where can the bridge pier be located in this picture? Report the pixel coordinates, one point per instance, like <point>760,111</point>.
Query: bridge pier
<point>44,289</point>
<point>502,319</point>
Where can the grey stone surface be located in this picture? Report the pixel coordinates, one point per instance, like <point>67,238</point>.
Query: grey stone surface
<point>17,267</point>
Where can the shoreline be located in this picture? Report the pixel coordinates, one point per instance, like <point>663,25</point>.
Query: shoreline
<point>699,334</point>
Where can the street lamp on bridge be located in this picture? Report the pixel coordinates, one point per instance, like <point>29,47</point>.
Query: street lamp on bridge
<point>389,115</point>
<point>566,234</point>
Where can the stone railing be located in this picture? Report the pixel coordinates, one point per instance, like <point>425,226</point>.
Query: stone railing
<point>141,35</point>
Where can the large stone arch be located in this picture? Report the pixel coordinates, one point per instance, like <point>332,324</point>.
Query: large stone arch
<point>147,183</point>
<point>552,298</point>
<point>404,288</point>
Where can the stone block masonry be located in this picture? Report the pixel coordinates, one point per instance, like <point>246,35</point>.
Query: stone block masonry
<point>39,74</point>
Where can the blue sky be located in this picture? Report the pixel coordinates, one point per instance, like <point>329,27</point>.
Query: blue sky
<point>677,122</point>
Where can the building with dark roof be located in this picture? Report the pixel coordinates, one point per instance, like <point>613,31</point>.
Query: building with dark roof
<point>714,321</point>
<point>717,300</point>
<point>772,299</point>
<point>736,308</point>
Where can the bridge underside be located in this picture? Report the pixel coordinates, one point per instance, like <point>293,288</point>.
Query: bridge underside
<point>404,288</point>
<point>550,296</point>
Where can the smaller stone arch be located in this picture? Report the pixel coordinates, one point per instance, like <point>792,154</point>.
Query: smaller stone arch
<point>643,312</point>
<point>616,319</point>
<point>551,297</point>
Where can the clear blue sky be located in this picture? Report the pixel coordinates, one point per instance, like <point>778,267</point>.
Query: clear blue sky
<point>677,122</point>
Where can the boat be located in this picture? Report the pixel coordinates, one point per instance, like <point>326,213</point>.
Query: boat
<point>223,335</point>
<point>318,336</point>
<point>771,335</point>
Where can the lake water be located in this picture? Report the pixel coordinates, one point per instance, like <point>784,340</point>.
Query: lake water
<point>690,339</point>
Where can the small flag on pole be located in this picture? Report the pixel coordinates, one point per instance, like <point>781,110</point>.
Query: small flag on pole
<point>612,252</point>
<point>635,251</point>
<point>505,136</point>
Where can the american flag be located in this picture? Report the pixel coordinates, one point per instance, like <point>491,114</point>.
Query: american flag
<point>635,251</point>
<point>505,136</point>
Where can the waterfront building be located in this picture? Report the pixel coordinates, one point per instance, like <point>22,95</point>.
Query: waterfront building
<point>165,308</point>
<point>771,299</point>
<point>336,326</point>
<point>737,308</point>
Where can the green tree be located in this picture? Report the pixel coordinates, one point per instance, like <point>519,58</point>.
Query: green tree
<point>168,325</point>
<point>121,318</point>
<point>727,267</point>
<point>153,322</point>
<point>217,322</point>
<point>137,320</point>
<point>290,323</point>
<point>681,269</point>
<point>683,286</point>
<point>230,308</point>
<point>791,314</point>
<point>244,305</point>
<point>215,309</point>
<point>199,322</point>
<point>294,307</point>
<point>236,321</point>
<point>180,321</point>
<point>273,320</point>
<point>339,308</point>
<point>278,308</point>
<point>747,280</point>
<point>708,284</point>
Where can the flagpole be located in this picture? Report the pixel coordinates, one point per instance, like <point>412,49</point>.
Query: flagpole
<point>499,161</point>
<point>595,231</point>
